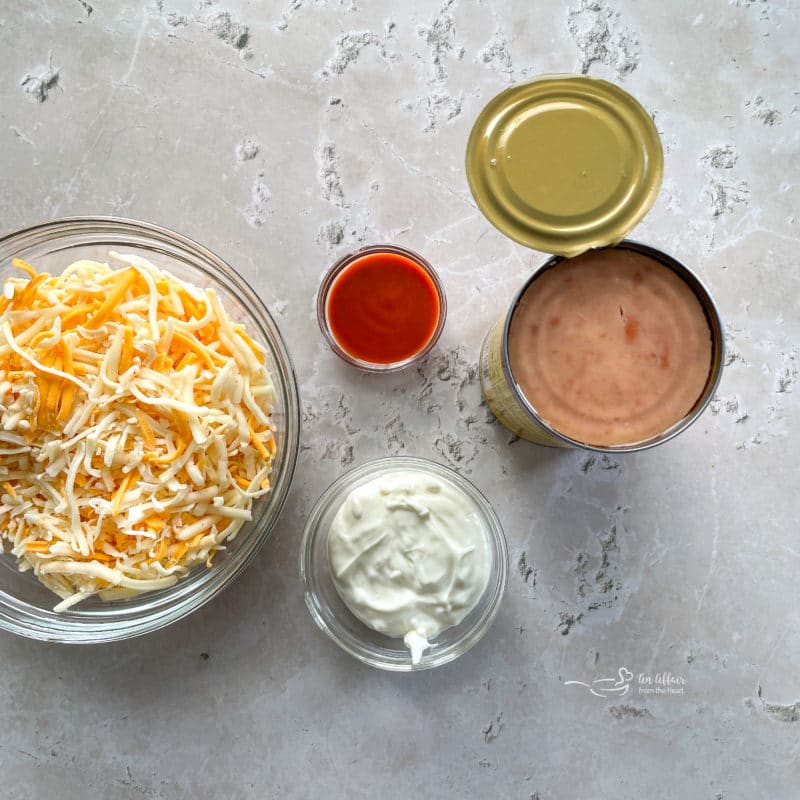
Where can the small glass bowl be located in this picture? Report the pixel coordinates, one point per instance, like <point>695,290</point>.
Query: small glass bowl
<point>26,605</point>
<point>338,268</point>
<point>340,624</point>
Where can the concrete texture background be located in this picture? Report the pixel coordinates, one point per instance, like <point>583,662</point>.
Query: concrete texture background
<point>285,134</point>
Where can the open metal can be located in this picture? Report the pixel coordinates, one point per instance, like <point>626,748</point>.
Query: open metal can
<point>512,408</point>
<point>568,165</point>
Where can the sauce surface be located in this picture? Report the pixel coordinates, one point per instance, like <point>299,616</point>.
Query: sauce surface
<point>383,308</point>
<point>610,347</point>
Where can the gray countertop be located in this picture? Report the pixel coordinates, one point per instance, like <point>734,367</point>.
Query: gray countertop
<point>285,134</point>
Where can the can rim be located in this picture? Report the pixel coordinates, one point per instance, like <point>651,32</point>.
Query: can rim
<point>715,325</point>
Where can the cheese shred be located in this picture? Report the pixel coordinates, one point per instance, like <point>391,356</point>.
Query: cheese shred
<point>135,427</point>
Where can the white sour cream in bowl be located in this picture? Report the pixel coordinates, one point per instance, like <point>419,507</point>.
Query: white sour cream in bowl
<point>409,556</point>
<point>404,563</point>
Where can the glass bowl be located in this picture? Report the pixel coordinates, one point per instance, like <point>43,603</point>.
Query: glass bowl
<point>340,624</point>
<point>327,285</point>
<point>25,604</point>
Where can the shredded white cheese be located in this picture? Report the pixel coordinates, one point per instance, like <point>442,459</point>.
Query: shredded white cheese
<point>135,427</point>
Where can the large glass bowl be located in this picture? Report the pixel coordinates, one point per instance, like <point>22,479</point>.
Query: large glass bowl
<point>25,604</point>
<point>339,623</point>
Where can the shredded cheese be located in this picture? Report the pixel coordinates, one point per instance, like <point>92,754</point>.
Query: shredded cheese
<point>135,427</point>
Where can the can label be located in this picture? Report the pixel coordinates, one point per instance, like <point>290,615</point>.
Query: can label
<point>503,397</point>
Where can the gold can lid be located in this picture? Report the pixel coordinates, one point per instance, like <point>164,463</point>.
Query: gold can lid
<point>564,163</point>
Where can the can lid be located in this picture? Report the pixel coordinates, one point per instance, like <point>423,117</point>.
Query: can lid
<point>564,163</point>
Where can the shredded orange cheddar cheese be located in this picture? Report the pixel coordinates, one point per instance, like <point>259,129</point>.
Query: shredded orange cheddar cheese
<point>135,427</point>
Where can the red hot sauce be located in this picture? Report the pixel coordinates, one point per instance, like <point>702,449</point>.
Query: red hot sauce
<point>383,308</point>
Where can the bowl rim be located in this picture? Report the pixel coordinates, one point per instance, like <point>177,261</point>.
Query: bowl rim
<point>74,630</point>
<point>495,534</point>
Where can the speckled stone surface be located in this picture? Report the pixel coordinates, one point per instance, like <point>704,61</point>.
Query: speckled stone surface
<point>285,134</point>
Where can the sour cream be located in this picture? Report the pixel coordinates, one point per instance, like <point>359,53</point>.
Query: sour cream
<point>409,556</point>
